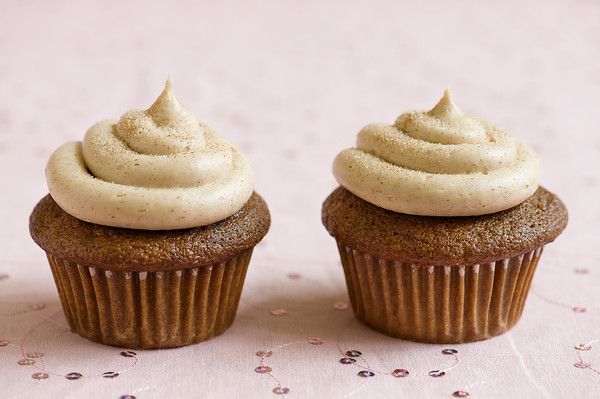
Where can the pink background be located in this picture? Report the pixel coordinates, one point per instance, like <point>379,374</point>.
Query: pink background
<point>291,83</point>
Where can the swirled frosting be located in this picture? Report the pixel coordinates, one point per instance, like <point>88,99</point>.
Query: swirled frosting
<point>438,163</point>
<point>154,169</point>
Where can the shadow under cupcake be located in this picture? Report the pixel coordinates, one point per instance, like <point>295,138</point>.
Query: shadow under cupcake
<point>440,224</point>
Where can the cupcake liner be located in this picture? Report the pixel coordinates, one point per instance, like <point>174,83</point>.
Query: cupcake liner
<point>146,310</point>
<point>438,304</point>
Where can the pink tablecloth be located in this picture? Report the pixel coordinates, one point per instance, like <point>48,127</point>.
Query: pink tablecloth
<point>291,83</point>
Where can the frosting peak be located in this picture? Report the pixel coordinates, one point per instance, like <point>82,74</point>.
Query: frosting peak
<point>444,124</point>
<point>166,128</point>
<point>152,169</point>
<point>440,162</point>
<point>444,106</point>
<point>167,110</point>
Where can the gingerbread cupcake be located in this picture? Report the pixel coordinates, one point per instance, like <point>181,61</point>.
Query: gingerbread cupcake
<point>440,223</point>
<point>149,228</point>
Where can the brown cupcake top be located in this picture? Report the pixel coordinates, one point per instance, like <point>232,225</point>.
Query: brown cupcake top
<point>448,241</point>
<point>114,248</point>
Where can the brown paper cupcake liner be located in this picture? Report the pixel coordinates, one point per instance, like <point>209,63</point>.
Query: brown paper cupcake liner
<point>438,304</point>
<point>147,310</point>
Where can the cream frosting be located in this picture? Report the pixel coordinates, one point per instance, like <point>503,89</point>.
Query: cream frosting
<point>154,169</point>
<point>439,163</point>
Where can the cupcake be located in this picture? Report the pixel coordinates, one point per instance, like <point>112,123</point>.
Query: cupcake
<point>149,228</point>
<point>440,223</point>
